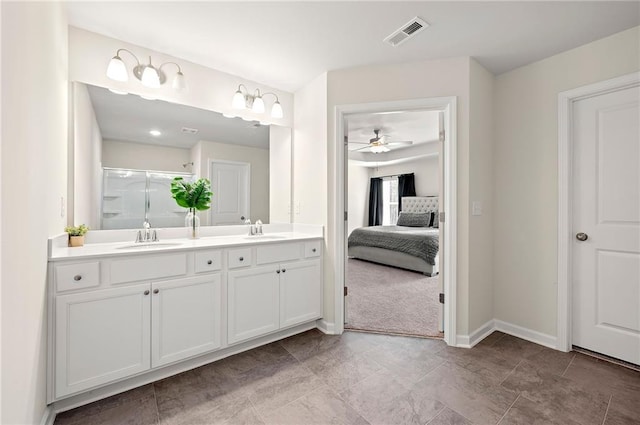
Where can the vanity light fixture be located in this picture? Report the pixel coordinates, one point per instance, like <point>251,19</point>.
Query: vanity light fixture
<point>149,75</point>
<point>245,100</point>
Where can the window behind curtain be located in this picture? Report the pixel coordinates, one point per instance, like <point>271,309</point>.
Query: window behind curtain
<point>389,201</point>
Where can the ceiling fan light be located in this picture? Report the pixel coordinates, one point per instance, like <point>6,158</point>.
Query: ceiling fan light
<point>276,110</point>
<point>238,101</point>
<point>117,70</point>
<point>179,83</point>
<point>379,149</point>
<point>150,77</point>
<point>258,105</point>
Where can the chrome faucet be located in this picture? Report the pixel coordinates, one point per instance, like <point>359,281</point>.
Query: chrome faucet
<point>258,227</point>
<point>252,228</point>
<point>146,234</point>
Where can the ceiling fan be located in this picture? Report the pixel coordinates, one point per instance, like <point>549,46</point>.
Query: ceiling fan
<point>379,144</point>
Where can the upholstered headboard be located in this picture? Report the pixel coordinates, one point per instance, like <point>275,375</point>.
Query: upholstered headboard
<point>419,204</point>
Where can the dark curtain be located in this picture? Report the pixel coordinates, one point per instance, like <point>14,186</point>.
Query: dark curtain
<point>406,187</point>
<point>375,202</point>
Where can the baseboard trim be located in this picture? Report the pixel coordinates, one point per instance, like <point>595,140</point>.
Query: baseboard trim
<point>468,341</point>
<point>528,334</point>
<point>328,328</point>
<point>48,417</point>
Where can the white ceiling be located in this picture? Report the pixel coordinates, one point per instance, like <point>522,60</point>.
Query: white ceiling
<point>130,118</point>
<point>287,44</point>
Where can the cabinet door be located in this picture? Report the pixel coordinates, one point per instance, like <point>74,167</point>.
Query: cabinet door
<point>101,336</point>
<point>253,299</point>
<point>186,318</point>
<point>300,292</point>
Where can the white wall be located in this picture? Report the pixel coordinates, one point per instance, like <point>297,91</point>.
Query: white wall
<point>447,77</point>
<point>358,196</point>
<point>259,160</point>
<point>481,230</point>
<point>34,178</point>
<point>141,156</point>
<point>89,55</point>
<point>526,178</point>
<point>86,151</point>
<point>426,172</point>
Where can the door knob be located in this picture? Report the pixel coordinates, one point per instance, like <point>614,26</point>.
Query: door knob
<point>582,237</point>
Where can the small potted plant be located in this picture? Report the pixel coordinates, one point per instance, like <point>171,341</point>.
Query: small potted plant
<point>195,196</point>
<point>76,234</point>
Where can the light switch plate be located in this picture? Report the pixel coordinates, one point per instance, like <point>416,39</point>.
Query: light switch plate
<point>476,208</point>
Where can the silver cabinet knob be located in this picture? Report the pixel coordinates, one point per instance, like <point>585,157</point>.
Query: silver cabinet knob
<point>582,237</point>
<point>278,271</point>
<point>155,291</point>
<point>77,277</point>
<point>146,292</point>
<point>284,270</point>
<point>210,262</point>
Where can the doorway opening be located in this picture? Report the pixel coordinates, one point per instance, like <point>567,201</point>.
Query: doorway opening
<point>427,205</point>
<point>393,197</point>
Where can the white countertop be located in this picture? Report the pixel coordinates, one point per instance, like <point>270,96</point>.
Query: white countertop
<point>58,251</point>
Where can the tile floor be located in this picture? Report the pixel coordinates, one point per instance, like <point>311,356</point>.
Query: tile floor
<point>360,378</point>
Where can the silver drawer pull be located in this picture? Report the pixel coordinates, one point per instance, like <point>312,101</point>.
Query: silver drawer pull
<point>155,291</point>
<point>313,250</point>
<point>77,277</point>
<point>241,258</point>
<point>210,262</point>
<point>146,292</point>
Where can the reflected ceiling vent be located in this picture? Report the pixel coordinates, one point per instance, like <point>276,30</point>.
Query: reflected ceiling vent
<point>406,31</point>
<point>187,130</point>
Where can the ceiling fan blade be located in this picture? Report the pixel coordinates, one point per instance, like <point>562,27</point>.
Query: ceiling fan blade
<point>404,142</point>
<point>358,143</point>
<point>362,148</point>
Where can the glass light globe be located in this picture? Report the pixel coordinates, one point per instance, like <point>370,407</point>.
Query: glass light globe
<point>258,105</point>
<point>238,101</point>
<point>117,70</point>
<point>276,110</point>
<point>150,77</point>
<point>179,83</point>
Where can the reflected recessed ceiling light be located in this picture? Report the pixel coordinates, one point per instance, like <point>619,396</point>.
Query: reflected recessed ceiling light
<point>155,133</point>
<point>118,91</point>
<point>265,123</point>
<point>226,115</point>
<point>147,97</point>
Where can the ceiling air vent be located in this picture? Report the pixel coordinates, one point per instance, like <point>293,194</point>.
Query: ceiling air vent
<point>187,130</point>
<point>407,31</point>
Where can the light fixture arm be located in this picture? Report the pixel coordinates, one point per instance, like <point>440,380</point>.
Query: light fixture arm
<point>170,63</point>
<point>131,53</point>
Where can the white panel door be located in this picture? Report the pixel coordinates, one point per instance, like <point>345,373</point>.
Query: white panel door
<point>185,319</point>
<point>230,183</point>
<point>300,292</point>
<point>101,336</point>
<point>253,302</point>
<point>606,217</point>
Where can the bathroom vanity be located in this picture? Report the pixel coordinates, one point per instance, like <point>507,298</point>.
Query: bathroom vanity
<point>123,314</point>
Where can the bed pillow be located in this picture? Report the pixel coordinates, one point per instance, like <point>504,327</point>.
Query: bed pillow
<point>415,219</point>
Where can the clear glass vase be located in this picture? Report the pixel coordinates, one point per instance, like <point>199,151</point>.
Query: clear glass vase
<point>192,223</point>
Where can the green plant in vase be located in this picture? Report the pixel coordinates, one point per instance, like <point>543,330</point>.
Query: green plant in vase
<point>196,196</point>
<point>76,234</point>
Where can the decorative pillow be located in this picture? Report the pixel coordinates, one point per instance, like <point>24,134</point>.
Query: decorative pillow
<point>415,219</point>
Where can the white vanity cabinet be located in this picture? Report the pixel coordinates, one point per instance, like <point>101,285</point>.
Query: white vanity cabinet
<point>186,318</point>
<point>123,318</point>
<point>101,336</point>
<point>266,298</point>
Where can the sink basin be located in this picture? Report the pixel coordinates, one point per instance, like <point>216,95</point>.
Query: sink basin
<point>264,237</point>
<point>149,245</point>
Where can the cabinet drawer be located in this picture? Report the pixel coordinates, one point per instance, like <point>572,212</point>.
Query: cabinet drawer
<point>148,267</point>
<point>276,253</point>
<point>77,276</point>
<point>239,258</point>
<point>208,261</point>
<point>312,249</point>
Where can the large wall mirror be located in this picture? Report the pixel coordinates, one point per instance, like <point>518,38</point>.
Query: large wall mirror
<point>127,149</point>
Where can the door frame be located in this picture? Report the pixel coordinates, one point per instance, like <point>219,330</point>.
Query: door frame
<point>447,105</point>
<point>248,185</point>
<point>566,100</point>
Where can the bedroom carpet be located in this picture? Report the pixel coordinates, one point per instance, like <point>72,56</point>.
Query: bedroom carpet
<point>390,300</point>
